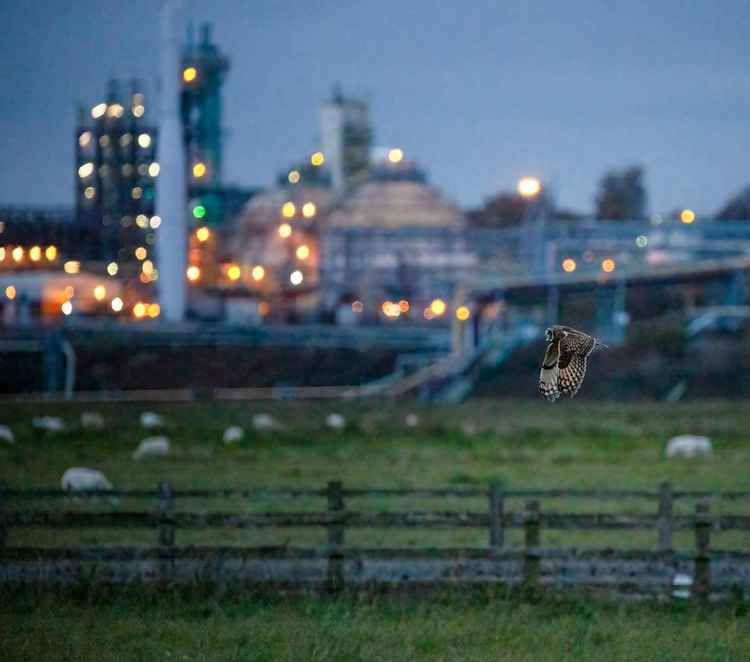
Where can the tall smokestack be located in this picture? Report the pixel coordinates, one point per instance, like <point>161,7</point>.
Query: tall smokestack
<point>171,197</point>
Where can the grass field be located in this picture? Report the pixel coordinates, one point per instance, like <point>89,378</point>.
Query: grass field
<point>570,444</point>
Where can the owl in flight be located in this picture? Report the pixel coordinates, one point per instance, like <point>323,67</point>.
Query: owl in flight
<point>564,365</point>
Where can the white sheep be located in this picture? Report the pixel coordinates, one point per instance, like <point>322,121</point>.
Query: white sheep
<point>92,420</point>
<point>265,422</point>
<point>689,445</point>
<point>682,584</point>
<point>152,447</point>
<point>6,434</point>
<point>48,423</point>
<point>233,434</point>
<point>336,421</point>
<point>411,420</point>
<point>150,419</point>
<point>82,479</point>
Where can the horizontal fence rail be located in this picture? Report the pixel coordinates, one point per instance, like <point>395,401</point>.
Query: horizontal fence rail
<point>703,573</point>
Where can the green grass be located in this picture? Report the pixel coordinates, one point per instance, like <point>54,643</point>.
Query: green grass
<point>531,445</point>
<point>535,445</point>
<point>145,626</point>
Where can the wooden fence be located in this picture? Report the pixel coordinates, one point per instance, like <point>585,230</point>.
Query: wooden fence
<point>703,573</point>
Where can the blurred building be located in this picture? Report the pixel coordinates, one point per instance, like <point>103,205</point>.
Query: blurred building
<point>393,238</point>
<point>346,138</point>
<point>115,172</point>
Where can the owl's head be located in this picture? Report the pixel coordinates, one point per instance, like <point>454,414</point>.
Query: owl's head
<point>554,333</point>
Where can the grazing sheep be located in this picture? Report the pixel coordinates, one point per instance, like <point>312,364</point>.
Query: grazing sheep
<point>152,447</point>
<point>689,445</point>
<point>150,420</point>
<point>265,422</point>
<point>82,479</point>
<point>6,434</point>
<point>48,423</point>
<point>681,586</point>
<point>411,420</point>
<point>233,434</point>
<point>469,428</point>
<point>336,421</point>
<point>92,420</point>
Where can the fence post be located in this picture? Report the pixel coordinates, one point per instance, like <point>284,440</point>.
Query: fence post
<point>335,537</point>
<point>166,507</point>
<point>665,517</point>
<point>702,578</point>
<point>496,505</point>
<point>531,522</point>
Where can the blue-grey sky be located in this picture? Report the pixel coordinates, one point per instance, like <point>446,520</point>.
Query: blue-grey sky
<point>479,92</point>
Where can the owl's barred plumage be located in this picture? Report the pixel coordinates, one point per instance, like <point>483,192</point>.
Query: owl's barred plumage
<point>564,364</point>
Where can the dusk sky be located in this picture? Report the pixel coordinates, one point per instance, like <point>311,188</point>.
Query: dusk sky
<point>478,92</point>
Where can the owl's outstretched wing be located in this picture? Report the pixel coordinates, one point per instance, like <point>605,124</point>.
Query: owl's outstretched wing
<point>548,375</point>
<point>574,349</point>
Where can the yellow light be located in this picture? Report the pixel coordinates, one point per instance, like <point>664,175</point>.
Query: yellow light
<point>528,187</point>
<point>112,268</point>
<point>67,308</point>
<point>437,307</point>
<point>100,292</point>
<point>2,254</point>
<point>193,273</point>
<point>51,253</point>
<point>199,169</point>
<point>303,252</point>
<point>608,265</point>
<point>144,140</point>
<point>10,292</point>
<point>85,170</point>
<point>189,74</point>
<point>258,272</point>
<point>144,278</point>
<point>285,230</point>
<point>309,209</point>
<point>17,253</point>
<point>139,310</point>
<point>115,110</point>
<point>288,210</point>
<point>357,306</point>
<point>90,192</point>
<point>404,306</point>
<point>687,216</point>
<point>569,264</point>
<point>294,177</point>
<point>296,278</point>
<point>138,110</point>
<point>153,169</point>
<point>35,253</point>
<point>203,234</point>
<point>72,267</point>
<point>98,110</point>
<point>153,310</point>
<point>155,222</point>
<point>84,139</point>
<point>140,253</point>
<point>234,272</point>
<point>69,291</point>
<point>137,193</point>
<point>141,220</point>
<point>463,313</point>
<point>318,159</point>
<point>395,155</point>
<point>147,267</point>
<point>117,304</point>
